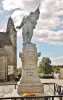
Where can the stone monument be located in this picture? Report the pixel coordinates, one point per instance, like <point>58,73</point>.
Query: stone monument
<point>29,81</point>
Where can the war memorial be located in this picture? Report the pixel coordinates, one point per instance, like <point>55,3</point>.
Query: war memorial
<point>29,81</point>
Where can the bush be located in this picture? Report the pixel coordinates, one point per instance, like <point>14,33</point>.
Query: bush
<point>19,75</point>
<point>17,79</point>
<point>46,76</point>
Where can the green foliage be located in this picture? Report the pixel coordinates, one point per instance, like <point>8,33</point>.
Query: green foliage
<point>45,66</point>
<point>19,71</point>
<point>45,75</point>
<point>56,69</point>
<point>40,74</point>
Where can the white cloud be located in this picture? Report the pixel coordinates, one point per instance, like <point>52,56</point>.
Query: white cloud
<point>1,30</point>
<point>49,36</point>
<point>24,4</point>
<point>50,10</point>
<point>17,16</point>
<point>10,4</point>
<point>57,60</point>
<point>49,24</point>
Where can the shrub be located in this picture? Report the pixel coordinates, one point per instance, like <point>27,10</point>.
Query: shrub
<point>46,76</point>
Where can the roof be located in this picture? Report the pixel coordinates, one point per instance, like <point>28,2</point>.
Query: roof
<point>5,39</point>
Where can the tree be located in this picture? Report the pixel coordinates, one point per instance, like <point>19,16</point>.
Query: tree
<point>56,68</point>
<point>19,72</point>
<point>45,66</point>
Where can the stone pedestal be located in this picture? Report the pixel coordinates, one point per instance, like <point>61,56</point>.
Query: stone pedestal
<point>30,81</point>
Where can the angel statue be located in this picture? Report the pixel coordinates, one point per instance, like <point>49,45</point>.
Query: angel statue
<point>28,24</point>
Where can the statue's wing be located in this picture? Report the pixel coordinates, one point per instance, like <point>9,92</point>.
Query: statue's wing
<point>36,14</point>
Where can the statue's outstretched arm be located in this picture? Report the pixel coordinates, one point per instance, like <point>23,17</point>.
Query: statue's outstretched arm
<point>19,26</point>
<point>22,23</point>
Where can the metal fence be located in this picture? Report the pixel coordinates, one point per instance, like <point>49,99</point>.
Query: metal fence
<point>34,98</point>
<point>53,97</point>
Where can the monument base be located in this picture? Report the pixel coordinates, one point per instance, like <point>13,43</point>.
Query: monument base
<point>29,81</point>
<point>30,88</point>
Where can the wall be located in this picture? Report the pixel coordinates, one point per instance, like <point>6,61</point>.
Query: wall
<point>3,67</point>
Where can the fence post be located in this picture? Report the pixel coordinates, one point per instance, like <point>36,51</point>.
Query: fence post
<point>15,86</point>
<point>54,89</point>
<point>60,98</point>
<point>22,98</point>
<point>52,98</point>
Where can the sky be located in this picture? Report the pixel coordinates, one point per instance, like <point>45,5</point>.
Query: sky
<point>48,34</point>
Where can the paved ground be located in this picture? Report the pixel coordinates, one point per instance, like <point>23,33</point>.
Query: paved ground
<point>59,81</point>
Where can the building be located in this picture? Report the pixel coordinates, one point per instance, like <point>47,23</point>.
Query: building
<point>8,52</point>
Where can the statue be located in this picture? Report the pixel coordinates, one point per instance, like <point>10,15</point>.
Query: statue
<point>28,24</point>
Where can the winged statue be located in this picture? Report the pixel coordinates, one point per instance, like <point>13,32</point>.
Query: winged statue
<point>28,24</point>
